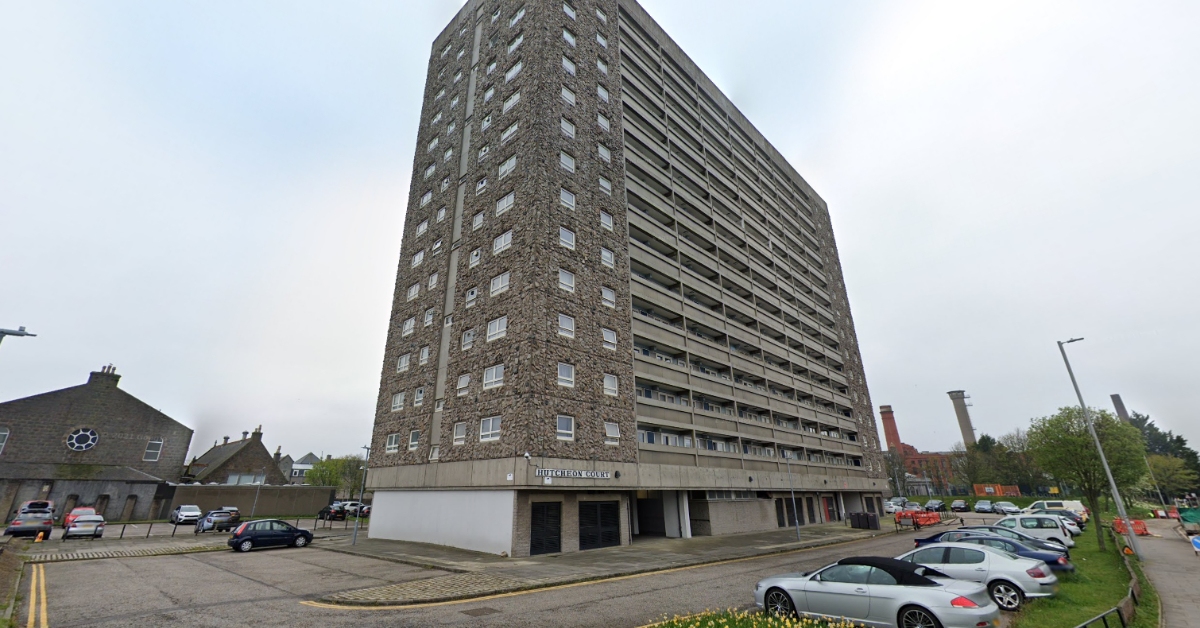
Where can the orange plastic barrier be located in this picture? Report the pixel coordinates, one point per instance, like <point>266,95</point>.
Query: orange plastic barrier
<point>1173,512</point>
<point>1139,527</point>
<point>1119,526</point>
<point>919,518</point>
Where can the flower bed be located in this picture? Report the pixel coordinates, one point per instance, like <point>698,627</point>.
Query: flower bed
<point>744,619</point>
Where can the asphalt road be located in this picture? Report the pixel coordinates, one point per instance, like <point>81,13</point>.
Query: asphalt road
<point>269,588</point>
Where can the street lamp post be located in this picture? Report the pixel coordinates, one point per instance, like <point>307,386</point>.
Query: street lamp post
<point>361,491</point>
<point>1112,484</point>
<point>795,513</point>
<point>20,331</point>
<point>257,491</point>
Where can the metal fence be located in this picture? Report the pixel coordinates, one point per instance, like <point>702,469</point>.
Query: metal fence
<point>146,529</point>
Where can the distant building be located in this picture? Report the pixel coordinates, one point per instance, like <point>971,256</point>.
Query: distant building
<point>89,445</point>
<point>935,466</point>
<point>245,461</point>
<point>301,467</point>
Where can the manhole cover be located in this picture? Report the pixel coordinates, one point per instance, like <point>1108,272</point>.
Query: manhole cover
<point>480,612</point>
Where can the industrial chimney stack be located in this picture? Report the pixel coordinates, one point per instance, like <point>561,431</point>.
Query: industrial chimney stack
<point>959,399</point>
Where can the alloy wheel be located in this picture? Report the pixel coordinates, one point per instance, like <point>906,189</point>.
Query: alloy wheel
<point>1006,596</point>
<point>246,546</point>
<point>301,541</point>
<point>778,603</point>
<point>917,618</point>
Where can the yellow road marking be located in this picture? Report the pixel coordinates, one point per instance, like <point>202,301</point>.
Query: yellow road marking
<point>33,600</point>
<point>394,607</point>
<point>45,614</point>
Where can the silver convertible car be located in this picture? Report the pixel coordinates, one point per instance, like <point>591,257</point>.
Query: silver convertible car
<point>881,593</point>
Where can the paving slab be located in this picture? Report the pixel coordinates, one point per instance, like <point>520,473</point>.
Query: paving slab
<point>1173,566</point>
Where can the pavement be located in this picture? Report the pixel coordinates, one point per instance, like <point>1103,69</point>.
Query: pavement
<point>1173,566</point>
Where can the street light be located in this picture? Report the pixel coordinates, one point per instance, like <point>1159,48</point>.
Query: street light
<point>361,490</point>
<point>795,513</point>
<point>1112,484</point>
<point>20,331</point>
<point>257,491</point>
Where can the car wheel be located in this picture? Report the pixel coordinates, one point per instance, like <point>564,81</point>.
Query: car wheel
<point>245,546</point>
<point>300,541</point>
<point>1006,595</point>
<point>779,603</point>
<point>917,617</point>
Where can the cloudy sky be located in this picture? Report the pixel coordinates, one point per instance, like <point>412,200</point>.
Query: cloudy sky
<point>210,196</point>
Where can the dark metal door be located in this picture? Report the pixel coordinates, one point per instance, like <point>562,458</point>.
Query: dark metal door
<point>599,524</point>
<point>545,533</point>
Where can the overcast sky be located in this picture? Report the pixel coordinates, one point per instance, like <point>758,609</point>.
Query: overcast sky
<point>210,196</point>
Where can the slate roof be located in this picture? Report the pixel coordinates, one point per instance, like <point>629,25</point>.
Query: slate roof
<point>212,459</point>
<point>309,458</point>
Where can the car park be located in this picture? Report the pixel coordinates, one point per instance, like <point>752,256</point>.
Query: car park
<point>1044,527</point>
<point>880,592</point>
<point>1055,560</point>
<point>948,536</point>
<point>31,523</point>
<point>37,505</point>
<point>333,512</point>
<point>983,505</point>
<point>935,505</point>
<point>75,514</point>
<point>1073,505</point>
<point>959,505</point>
<point>891,508</point>
<point>1009,578</point>
<point>84,526</point>
<point>268,533</point>
<point>1069,515</point>
<point>1005,508</point>
<point>352,507</point>
<point>913,507</point>
<point>1031,541</point>
<point>185,514</point>
<point>217,520</point>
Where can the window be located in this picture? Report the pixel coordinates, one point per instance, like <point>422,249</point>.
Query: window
<point>474,259</point>
<point>610,384</point>
<point>602,93</point>
<point>477,221</point>
<point>460,433</point>
<point>484,124</point>
<point>612,433</point>
<point>497,328</point>
<point>441,215</point>
<point>511,102</point>
<point>414,290</point>
<point>604,153</point>
<point>483,153</point>
<point>568,129</point>
<point>569,66</point>
<point>566,238</point>
<point>566,326</point>
<point>515,43</point>
<point>566,198</point>
<point>450,127</point>
<point>512,74</point>
<point>458,76</point>
<point>480,186</point>
<point>505,203</point>
<point>397,402</point>
<point>423,227</point>
<point>432,145</point>
<point>468,339</point>
<point>566,280</point>
<point>461,52</point>
<point>425,198</point>
<point>568,95</point>
<point>603,122</point>
<point>152,453</point>
<point>606,220</point>
<point>433,279</point>
<point>491,91</point>
<point>606,187</point>
<point>436,118</point>
<point>418,258</point>
<point>414,437</point>
<point>566,161</point>
<point>419,397</point>
<point>507,167</point>
<point>610,339</point>
<point>606,257</point>
<point>454,102</point>
<point>441,92</point>
<point>472,294</point>
<point>448,154</point>
<point>424,356</point>
<point>569,10</point>
<point>566,374</point>
<point>569,37</point>
<point>602,66</point>
<point>489,429</point>
<point>409,325</point>
<point>512,21</point>
<point>446,51</point>
<point>464,384</point>
<point>393,443</point>
<point>602,40</point>
<point>491,67</point>
<point>445,184</point>
<point>429,316</point>
<point>493,376</point>
<point>502,242</point>
<point>509,132</point>
<point>600,14</point>
<point>608,297</point>
<point>436,248</point>
<point>565,428</point>
<point>402,362</point>
<point>499,283</point>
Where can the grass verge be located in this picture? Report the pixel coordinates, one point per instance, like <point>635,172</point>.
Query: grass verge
<point>747,619</point>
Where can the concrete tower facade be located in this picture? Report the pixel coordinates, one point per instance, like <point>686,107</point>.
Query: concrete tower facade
<point>959,399</point>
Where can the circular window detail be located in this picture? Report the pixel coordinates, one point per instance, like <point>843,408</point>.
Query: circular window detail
<point>82,439</point>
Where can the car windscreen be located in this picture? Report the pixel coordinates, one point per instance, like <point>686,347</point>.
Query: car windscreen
<point>189,509</point>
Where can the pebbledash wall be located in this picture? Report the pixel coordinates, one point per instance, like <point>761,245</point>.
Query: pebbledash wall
<point>618,311</point>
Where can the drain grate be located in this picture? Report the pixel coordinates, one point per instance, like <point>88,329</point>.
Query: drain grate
<point>480,612</point>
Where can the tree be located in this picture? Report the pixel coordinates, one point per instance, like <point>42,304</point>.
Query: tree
<point>1167,444</point>
<point>1062,445</point>
<point>971,466</point>
<point>1172,474</point>
<point>344,474</point>
<point>1016,465</point>
<point>893,460</point>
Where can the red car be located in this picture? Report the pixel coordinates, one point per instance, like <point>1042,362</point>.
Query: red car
<point>75,514</point>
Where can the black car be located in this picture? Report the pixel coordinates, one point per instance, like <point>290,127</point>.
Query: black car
<point>333,512</point>
<point>1066,514</point>
<point>268,533</point>
<point>935,505</point>
<point>960,505</point>
<point>1033,542</point>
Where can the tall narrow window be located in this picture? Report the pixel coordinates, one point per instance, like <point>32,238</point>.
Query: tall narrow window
<point>499,283</point>
<point>414,438</point>
<point>491,91</point>
<point>433,280</point>
<point>602,40</point>
<point>612,434</point>
<point>441,215</point>
<point>493,376</point>
<point>602,93</point>
<point>483,126</point>
<point>497,328</point>
<point>489,429</point>
<point>423,227</point>
<point>436,248</point>
<point>4,432</point>
<point>460,433</point>
<point>505,203</point>
<point>477,221</point>
<point>606,257</point>
<point>610,384</point>
<point>418,258</point>
<point>569,66</point>
<point>602,66</point>
<point>432,145</point>
<point>567,162</point>
<point>464,384</point>
<point>566,374</point>
<point>608,297</point>
<point>568,95</point>
<point>397,402</point>
<point>454,102</point>
<point>480,186</point>
<point>153,449</point>
<point>425,198</point>
<point>566,238</point>
<point>569,37</point>
<point>606,187</point>
<point>610,339</point>
<point>424,356</point>
<point>566,326</point>
<point>393,443</point>
<point>468,339</point>
<point>409,325</point>
<point>606,220</point>
<point>429,316</point>
<point>472,294</point>
<point>566,198</point>
<point>565,428</point>
<point>402,362</point>
<point>447,155</point>
<point>604,153</point>
<point>413,291</point>
<point>567,128</point>
<point>600,14</point>
<point>566,280</point>
<point>474,259</point>
<point>603,122</point>
<point>419,397</point>
<point>569,10</point>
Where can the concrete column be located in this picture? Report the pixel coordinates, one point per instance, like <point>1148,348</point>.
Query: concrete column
<point>685,515</point>
<point>633,515</point>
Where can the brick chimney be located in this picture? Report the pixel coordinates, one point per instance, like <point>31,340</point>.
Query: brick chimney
<point>277,456</point>
<point>890,433</point>
<point>106,377</point>
<point>257,434</point>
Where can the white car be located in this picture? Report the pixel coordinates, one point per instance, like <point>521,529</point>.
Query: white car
<point>1010,579</point>
<point>1073,505</point>
<point>1045,527</point>
<point>891,508</point>
<point>352,507</point>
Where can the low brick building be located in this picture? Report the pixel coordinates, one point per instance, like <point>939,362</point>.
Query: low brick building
<point>88,445</point>
<point>245,461</point>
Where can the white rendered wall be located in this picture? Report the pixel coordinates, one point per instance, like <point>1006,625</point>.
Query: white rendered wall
<point>474,520</point>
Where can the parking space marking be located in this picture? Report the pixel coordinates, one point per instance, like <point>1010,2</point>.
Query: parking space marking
<point>38,616</point>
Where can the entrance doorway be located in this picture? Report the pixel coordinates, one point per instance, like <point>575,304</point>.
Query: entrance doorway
<point>599,524</point>
<point>830,509</point>
<point>545,528</point>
